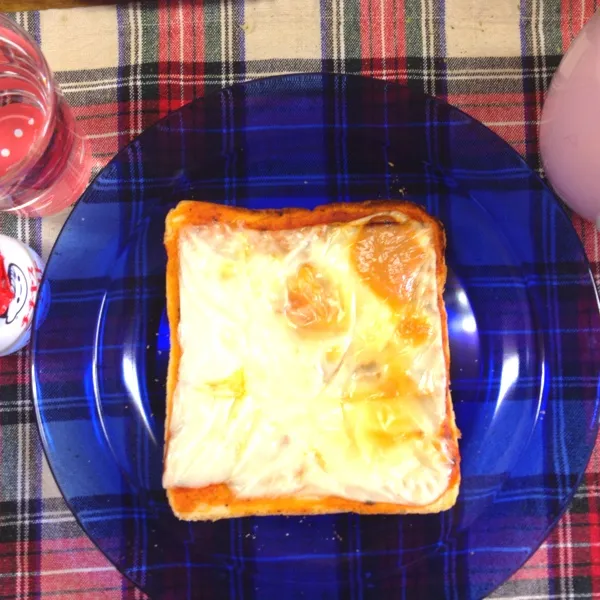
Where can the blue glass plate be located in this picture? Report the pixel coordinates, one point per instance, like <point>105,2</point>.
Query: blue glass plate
<point>523,321</point>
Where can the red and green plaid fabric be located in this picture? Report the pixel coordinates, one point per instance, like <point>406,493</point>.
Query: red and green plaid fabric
<point>122,68</point>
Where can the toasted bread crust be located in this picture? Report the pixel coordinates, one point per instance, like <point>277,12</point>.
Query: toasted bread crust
<point>218,501</point>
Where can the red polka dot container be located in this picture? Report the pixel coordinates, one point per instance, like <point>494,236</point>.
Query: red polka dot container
<point>45,161</point>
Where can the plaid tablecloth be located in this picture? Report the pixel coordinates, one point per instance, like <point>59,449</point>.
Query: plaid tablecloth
<point>122,68</point>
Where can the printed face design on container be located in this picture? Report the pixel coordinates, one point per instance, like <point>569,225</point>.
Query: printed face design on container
<point>19,287</point>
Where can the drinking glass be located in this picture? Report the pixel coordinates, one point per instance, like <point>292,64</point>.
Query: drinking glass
<point>569,131</point>
<point>45,162</point>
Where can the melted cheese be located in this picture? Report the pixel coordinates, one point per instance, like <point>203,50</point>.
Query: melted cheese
<point>312,363</point>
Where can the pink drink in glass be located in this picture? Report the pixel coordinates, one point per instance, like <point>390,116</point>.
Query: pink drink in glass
<point>569,131</point>
<point>45,162</point>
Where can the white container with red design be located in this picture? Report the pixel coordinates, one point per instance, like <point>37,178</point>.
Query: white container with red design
<point>20,278</point>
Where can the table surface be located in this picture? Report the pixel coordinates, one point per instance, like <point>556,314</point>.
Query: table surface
<point>123,67</point>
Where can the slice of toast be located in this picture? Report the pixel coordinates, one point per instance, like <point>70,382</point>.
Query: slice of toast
<point>309,362</point>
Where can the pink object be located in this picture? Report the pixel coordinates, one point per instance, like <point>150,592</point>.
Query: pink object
<point>569,132</point>
<point>45,162</point>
